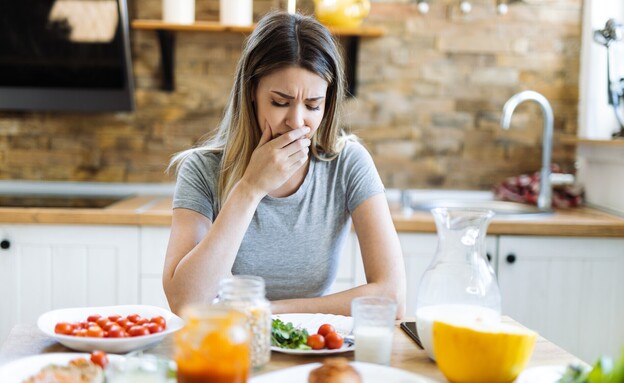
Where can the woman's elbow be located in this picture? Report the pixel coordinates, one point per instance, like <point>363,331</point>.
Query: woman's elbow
<point>396,292</point>
<point>172,299</point>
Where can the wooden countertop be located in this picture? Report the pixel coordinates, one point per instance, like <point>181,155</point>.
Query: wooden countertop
<point>26,340</point>
<point>156,211</point>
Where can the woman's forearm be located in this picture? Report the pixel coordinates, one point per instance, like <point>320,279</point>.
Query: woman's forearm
<point>340,303</point>
<point>204,261</point>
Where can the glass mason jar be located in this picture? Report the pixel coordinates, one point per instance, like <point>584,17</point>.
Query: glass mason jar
<point>459,282</point>
<point>246,293</point>
<point>213,345</point>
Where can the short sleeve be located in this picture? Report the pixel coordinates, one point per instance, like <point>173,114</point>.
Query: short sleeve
<point>362,179</point>
<point>196,184</point>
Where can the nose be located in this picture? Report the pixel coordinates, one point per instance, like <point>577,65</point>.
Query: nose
<point>295,117</point>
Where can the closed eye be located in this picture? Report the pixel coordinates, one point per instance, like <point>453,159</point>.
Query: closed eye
<point>310,107</point>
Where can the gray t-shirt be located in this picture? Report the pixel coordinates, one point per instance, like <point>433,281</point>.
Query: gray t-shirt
<point>294,242</point>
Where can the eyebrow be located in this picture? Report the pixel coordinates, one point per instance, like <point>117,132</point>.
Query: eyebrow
<point>289,97</point>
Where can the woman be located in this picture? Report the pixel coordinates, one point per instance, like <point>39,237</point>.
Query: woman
<point>274,191</point>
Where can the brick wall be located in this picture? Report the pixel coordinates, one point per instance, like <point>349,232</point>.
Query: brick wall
<point>430,95</point>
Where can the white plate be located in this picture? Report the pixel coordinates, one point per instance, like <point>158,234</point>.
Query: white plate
<point>541,374</point>
<point>371,373</point>
<point>21,369</point>
<point>312,322</point>
<point>48,320</point>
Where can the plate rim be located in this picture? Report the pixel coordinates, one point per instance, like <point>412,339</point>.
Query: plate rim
<point>67,356</point>
<point>531,369</point>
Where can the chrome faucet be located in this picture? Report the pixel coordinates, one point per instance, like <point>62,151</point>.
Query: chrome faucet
<point>544,199</point>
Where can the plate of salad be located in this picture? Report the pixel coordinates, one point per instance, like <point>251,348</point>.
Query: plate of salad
<point>311,334</point>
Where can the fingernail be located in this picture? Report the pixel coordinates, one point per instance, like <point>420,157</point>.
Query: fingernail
<point>306,130</point>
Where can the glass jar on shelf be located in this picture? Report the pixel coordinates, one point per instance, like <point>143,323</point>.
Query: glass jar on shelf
<point>459,282</point>
<point>246,293</point>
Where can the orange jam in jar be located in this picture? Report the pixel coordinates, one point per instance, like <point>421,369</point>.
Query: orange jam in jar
<point>213,346</point>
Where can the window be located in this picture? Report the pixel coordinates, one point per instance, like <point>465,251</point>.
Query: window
<point>596,116</point>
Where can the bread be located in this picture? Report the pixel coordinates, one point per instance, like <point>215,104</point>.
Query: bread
<point>77,371</point>
<point>335,370</point>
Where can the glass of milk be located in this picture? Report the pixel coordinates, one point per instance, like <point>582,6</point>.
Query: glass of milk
<point>373,328</point>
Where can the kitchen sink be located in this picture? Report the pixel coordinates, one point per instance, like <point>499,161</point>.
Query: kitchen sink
<point>425,200</point>
<point>501,208</point>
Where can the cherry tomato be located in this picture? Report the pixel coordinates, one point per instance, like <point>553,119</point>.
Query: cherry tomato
<point>82,332</point>
<point>138,331</point>
<point>142,321</point>
<point>107,326</point>
<point>93,318</point>
<point>95,332</point>
<point>123,322</point>
<point>84,325</point>
<point>114,318</point>
<point>63,328</point>
<point>333,340</point>
<point>116,332</point>
<point>326,329</point>
<point>102,322</point>
<point>154,327</point>
<point>100,358</point>
<point>159,320</point>
<point>129,325</point>
<point>316,342</point>
<point>133,317</point>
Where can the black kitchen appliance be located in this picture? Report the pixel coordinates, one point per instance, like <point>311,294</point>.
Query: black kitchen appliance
<point>65,55</point>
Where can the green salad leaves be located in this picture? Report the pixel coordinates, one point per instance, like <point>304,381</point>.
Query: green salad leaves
<point>605,370</point>
<point>285,335</point>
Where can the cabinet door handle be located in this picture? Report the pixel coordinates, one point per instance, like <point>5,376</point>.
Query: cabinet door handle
<point>511,258</point>
<point>5,244</point>
<point>489,257</point>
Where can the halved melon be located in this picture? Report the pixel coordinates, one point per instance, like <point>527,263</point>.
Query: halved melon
<point>474,351</point>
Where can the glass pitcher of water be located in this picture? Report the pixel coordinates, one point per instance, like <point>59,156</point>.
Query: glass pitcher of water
<point>459,283</point>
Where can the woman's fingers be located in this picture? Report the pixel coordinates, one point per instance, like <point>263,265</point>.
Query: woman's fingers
<point>285,139</point>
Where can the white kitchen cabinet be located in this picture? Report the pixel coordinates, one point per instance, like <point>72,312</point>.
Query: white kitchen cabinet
<point>570,290</point>
<point>154,240</point>
<point>46,267</point>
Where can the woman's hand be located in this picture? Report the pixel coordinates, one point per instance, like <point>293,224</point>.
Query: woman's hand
<point>275,160</point>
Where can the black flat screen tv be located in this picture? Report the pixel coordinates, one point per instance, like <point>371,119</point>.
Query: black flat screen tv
<point>65,55</point>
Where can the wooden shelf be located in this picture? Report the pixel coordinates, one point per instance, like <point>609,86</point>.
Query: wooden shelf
<point>166,36</point>
<point>211,26</point>
<point>573,140</point>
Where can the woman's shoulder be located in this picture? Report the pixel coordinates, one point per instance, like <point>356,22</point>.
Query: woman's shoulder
<point>353,150</point>
<point>203,157</point>
<point>201,161</point>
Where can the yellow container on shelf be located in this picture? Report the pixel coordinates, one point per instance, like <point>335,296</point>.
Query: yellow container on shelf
<point>341,13</point>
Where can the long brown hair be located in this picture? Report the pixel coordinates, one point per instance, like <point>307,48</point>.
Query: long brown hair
<point>279,40</point>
